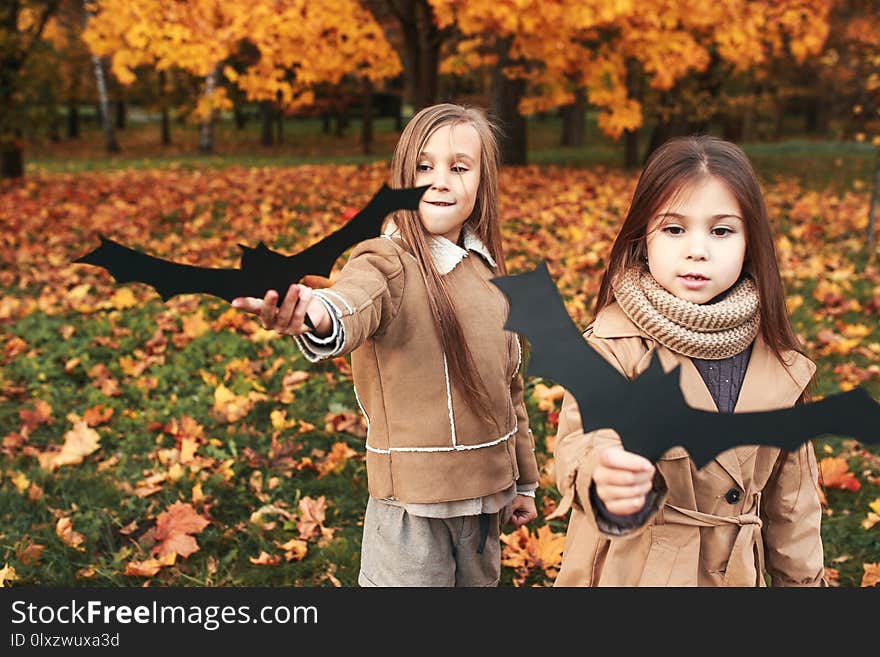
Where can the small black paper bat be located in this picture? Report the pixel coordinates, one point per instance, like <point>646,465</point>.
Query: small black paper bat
<point>650,414</point>
<point>261,268</point>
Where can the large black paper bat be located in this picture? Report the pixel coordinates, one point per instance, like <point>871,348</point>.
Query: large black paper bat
<point>650,413</point>
<point>261,268</point>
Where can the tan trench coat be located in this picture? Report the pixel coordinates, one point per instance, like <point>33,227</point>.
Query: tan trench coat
<point>751,511</point>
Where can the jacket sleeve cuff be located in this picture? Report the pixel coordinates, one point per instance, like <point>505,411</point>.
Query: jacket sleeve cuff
<point>527,489</point>
<point>316,348</point>
<point>613,524</point>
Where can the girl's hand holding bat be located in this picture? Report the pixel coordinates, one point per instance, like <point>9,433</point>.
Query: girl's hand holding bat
<point>289,317</point>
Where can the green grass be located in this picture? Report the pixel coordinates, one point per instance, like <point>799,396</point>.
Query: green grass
<point>816,163</point>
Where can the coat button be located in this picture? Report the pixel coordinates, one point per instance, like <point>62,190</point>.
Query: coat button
<point>732,496</point>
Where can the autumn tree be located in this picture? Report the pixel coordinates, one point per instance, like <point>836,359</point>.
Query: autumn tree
<point>22,23</point>
<point>298,45</point>
<point>610,50</point>
<point>64,31</point>
<point>849,74</point>
<point>422,38</point>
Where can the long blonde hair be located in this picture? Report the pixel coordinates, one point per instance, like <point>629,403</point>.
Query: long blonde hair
<point>484,222</point>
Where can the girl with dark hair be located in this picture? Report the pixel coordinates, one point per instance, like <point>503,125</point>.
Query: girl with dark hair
<point>692,280</point>
<point>449,453</point>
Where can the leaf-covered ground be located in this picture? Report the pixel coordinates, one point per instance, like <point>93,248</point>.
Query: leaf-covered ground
<point>181,444</point>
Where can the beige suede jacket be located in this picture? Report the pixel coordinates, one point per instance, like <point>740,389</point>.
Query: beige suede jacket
<point>424,444</point>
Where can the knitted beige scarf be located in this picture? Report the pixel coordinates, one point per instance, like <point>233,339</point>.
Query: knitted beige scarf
<point>712,331</point>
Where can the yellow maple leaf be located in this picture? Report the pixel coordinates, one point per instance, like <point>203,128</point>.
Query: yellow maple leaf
<point>195,325</point>
<point>294,550</point>
<point>20,481</point>
<point>123,298</point>
<point>229,406</point>
<point>525,551</point>
<point>279,420</point>
<point>7,574</point>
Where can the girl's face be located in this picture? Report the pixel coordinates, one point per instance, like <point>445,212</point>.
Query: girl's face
<point>450,164</point>
<point>697,242</point>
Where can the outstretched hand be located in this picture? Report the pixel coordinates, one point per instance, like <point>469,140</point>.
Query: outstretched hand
<point>289,318</point>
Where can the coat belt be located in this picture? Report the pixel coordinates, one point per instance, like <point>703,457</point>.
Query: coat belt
<point>748,539</point>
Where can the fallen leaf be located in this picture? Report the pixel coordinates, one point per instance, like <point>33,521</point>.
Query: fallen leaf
<point>64,530</point>
<point>31,554</point>
<point>265,559</point>
<point>40,414</point>
<point>525,551</point>
<point>335,461</point>
<point>149,567</point>
<point>352,423</point>
<point>311,519</point>
<point>174,527</point>
<point>294,550</point>
<point>87,572</point>
<point>871,576</point>
<point>873,515</point>
<point>7,574</point>
<point>97,415</point>
<point>79,442</point>
<point>832,576</point>
<point>547,397</point>
<point>834,473</point>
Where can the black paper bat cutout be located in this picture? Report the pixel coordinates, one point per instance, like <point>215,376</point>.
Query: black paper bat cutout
<point>261,268</point>
<point>650,413</point>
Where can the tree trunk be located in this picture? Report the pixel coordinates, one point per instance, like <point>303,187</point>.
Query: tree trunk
<point>341,120</point>
<point>120,115</point>
<point>573,123</point>
<point>11,159</point>
<point>206,134</point>
<point>871,238</point>
<point>635,88</point>
<point>421,48</point>
<point>631,149</point>
<point>733,126</point>
<point>240,117</point>
<point>279,127</point>
<point>72,119</point>
<point>266,137</point>
<point>166,118</point>
<point>266,119</point>
<point>106,122</point>
<point>429,55</point>
<point>506,94</point>
<point>325,122</point>
<point>367,119</point>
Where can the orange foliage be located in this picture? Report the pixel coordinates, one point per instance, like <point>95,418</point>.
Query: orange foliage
<point>525,551</point>
<point>834,473</point>
<point>174,529</point>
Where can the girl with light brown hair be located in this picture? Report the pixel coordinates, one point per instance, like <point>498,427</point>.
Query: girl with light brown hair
<point>692,280</point>
<point>449,453</point>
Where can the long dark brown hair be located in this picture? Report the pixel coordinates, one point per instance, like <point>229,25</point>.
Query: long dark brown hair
<point>484,221</point>
<point>677,164</point>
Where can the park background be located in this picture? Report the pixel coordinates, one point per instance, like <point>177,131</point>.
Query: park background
<point>179,444</point>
